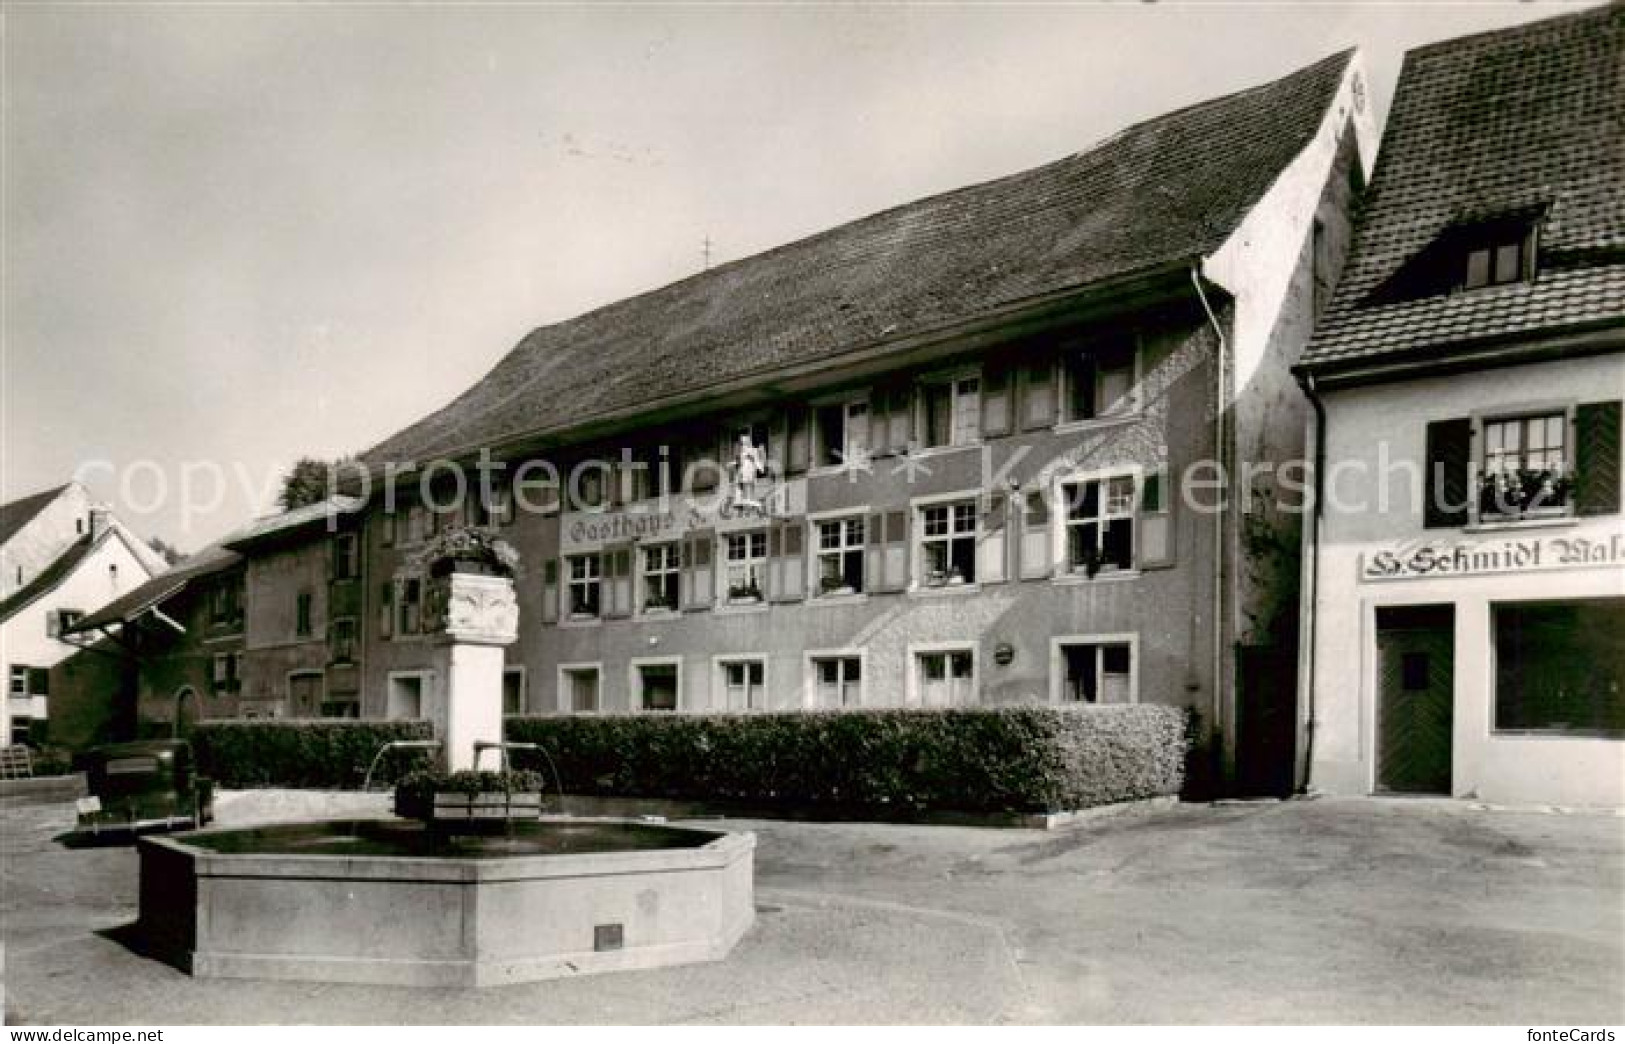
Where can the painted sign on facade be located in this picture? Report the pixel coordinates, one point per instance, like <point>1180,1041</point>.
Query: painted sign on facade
<point>672,518</point>
<point>1510,555</point>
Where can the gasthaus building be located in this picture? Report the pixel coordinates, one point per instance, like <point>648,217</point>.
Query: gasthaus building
<point>1467,577</point>
<point>925,458</point>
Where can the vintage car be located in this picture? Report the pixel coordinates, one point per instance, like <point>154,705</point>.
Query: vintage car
<point>145,785</point>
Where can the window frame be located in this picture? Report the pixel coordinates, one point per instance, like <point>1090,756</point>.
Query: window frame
<point>725,562</point>
<point>1478,450</point>
<point>564,693</point>
<point>346,556</point>
<point>304,613</point>
<point>1057,663</point>
<point>1547,732</point>
<point>672,572</point>
<point>634,676</point>
<point>918,539</point>
<point>810,660</point>
<point>1061,522</point>
<point>913,693</point>
<point>816,553</point>
<point>719,674</point>
<point>851,449</point>
<point>336,646</point>
<point>1063,379</point>
<point>921,406</point>
<point>596,558</point>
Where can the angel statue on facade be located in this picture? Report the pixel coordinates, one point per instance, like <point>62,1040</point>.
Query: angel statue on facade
<point>750,464</point>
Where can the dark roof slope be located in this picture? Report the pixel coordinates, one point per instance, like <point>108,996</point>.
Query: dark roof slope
<point>1530,119</point>
<point>20,512</point>
<point>1160,192</point>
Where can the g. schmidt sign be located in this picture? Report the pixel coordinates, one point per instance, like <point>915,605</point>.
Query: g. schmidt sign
<point>1515,555</point>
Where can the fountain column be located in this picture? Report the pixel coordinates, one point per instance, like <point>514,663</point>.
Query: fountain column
<point>473,618</point>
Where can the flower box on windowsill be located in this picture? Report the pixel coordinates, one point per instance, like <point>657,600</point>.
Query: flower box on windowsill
<point>455,807</point>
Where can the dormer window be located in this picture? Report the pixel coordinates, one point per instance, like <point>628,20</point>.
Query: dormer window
<point>1498,260</point>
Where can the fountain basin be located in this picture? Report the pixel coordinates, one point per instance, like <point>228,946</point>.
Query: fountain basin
<point>389,901</point>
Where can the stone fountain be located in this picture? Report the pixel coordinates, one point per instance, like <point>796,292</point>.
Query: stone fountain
<point>391,901</point>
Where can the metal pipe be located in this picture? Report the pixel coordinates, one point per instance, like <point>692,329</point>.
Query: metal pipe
<point>1219,448</point>
<point>1309,616</point>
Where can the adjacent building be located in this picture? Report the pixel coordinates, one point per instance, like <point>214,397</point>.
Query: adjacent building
<point>934,457</point>
<point>1466,580</point>
<point>62,555</point>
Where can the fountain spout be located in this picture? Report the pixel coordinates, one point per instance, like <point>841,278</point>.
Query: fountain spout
<point>481,746</point>
<point>423,744</point>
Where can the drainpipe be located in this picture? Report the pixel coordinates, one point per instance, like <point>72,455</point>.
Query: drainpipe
<point>1221,448</point>
<point>1308,617</point>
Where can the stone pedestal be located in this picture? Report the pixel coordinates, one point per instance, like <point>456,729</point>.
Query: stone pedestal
<point>472,618</point>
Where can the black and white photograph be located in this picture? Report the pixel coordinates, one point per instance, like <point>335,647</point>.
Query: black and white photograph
<point>522,514</point>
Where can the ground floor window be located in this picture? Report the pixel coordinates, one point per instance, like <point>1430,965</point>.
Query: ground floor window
<point>837,681</point>
<point>743,683</point>
<point>946,678</point>
<point>1097,672</point>
<point>656,686</point>
<point>19,728</point>
<point>1560,666</point>
<point>405,697</point>
<point>579,689</point>
<point>341,708</point>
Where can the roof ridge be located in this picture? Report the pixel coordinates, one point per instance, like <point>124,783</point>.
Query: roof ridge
<point>1539,25</point>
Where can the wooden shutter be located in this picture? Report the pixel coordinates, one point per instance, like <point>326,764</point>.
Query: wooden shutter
<point>992,550</point>
<point>1035,537</point>
<point>786,569</point>
<point>996,396</point>
<point>797,448</point>
<point>888,537</point>
<point>697,577</point>
<point>550,590</point>
<point>874,552</point>
<point>1449,455</point>
<point>617,578</point>
<point>1596,458</point>
<point>900,418</point>
<point>1155,539</point>
<point>386,609</point>
<point>39,681</point>
<point>1037,393</point>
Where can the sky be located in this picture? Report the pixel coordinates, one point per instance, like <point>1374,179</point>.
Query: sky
<point>238,234</point>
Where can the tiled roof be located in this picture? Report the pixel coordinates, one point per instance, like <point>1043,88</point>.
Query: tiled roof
<point>1531,118</point>
<point>1161,192</point>
<point>286,522</point>
<point>161,588</point>
<point>20,512</point>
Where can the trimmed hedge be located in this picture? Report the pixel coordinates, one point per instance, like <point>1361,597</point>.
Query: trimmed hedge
<point>325,753</point>
<point>994,759</point>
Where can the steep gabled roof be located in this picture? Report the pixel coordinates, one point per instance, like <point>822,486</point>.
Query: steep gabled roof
<point>1161,192</point>
<point>61,567</point>
<point>20,512</point>
<point>1524,123</point>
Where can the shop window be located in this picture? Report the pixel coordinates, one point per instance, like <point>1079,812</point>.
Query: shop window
<point>661,568</point>
<point>840,556</point>
<point>1096,672</point>
<point>745,565</point>
<point>1098,381</point>
<point>743,683</point>
<point>837,681</point>
<point>1560,667</point>
<point>947,544</point>
<point>586,586</point>
<point>1099,524</point>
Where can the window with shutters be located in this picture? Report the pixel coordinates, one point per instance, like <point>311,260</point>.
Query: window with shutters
<point>743,682</point>
<point>29,681</point>
<point>661,567</point>
<point>947,541</point>
<point>584,593</point>
<point>950,411</point>
<point>744,567</point>
<point>1524,473</point>
<point>840,553</point>
<point>1097,525</point>
<point>1098,380</point>
<point>835,680</point>
<point>841,432</point>
<point>1093,669</point>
